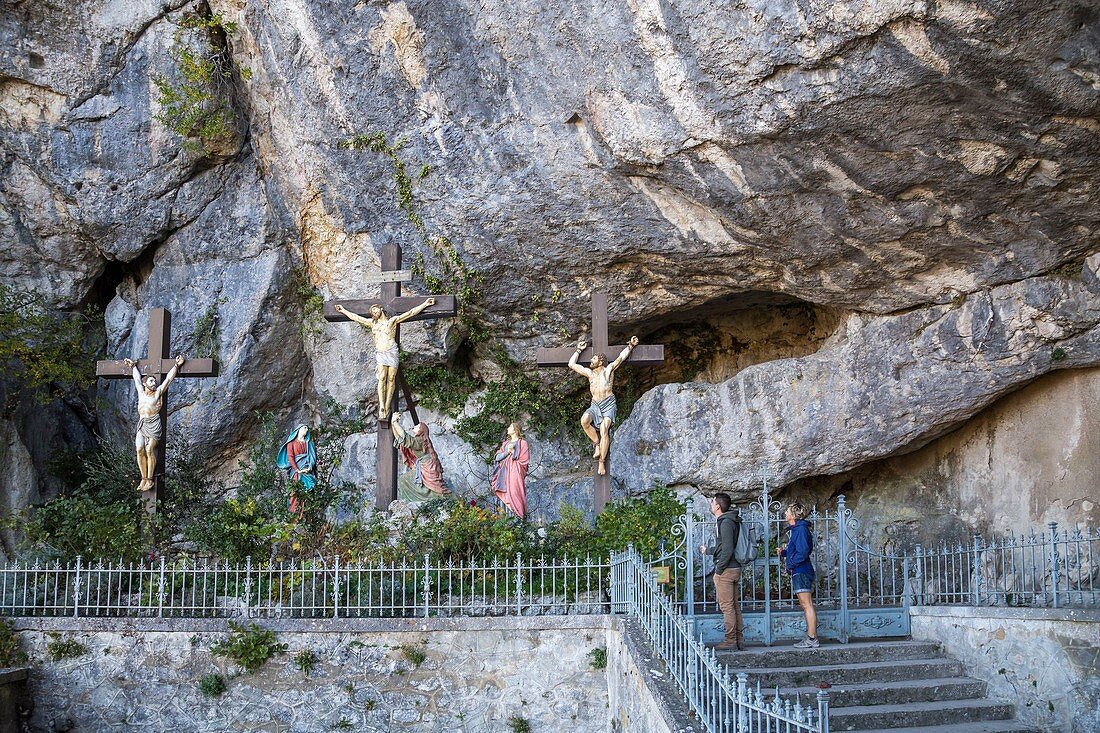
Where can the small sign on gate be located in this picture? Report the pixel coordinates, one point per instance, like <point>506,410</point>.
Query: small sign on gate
<point>662,574</point>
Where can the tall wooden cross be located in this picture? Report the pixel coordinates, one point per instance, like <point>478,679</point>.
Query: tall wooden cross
<point>642,355</point>
<point>393,302</point>
<point>158,364</point>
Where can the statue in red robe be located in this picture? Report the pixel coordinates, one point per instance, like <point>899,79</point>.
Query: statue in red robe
<point>509,480</point>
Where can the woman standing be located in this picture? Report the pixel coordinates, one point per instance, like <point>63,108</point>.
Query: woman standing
<point>509,481</point>
<point>797,551</point>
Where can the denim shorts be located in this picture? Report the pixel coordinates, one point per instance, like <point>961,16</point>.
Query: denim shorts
<point>802,583</point>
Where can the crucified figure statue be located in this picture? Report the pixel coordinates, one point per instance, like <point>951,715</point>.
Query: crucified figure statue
<point>384,330</point>
<point>150,427</point>
<point>600,415</point>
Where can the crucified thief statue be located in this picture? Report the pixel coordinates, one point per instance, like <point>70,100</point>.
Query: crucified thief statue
<point>150,427</point>
<point>600,415</point>
<point>384,330</point>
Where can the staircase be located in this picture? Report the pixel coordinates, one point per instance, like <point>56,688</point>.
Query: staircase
<point>906,686</point>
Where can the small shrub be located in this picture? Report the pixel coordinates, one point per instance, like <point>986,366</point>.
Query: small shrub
<point>414,654</point>
<point>11,652</point>
<point>1058,354</point>
<point>369,705</point>
<point>306,660</point>
<point>59,647</point>
<point>249,646</point>
<point>212,685</point>
<point>342,724</point>
<point>598,658</point>
<point>519,725</point>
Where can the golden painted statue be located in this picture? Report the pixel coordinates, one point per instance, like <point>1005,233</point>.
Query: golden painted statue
<point>384,330</point>
<point>150,427</point>
<point>600,415</point>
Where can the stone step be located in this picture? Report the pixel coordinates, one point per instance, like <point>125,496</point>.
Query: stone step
<point>953,713</point>
<point>854,653</point>
<point>984,726</point>
<point>895,693</point>
<point>853,674</point>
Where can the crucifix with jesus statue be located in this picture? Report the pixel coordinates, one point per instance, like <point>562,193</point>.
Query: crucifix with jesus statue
<point>152,377</point>
<point>598,419</point>
<point>383,316</point>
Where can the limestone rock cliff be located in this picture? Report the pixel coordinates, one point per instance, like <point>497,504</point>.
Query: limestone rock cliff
<point>919,176</point>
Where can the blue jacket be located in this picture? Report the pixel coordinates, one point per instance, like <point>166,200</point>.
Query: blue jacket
<point>799,548</point>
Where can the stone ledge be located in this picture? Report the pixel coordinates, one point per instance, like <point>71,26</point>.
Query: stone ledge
<point>318,625</point>
<point>999,612</point>
<point>12,674</point>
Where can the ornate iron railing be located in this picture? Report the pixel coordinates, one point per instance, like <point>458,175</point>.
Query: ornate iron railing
<point>720,701</point>
<point>319,589</point>
<point>864,593</point>
<point>1047,569</point>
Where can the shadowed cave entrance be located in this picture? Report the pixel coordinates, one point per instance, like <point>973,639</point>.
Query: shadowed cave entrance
<point>714,341</point>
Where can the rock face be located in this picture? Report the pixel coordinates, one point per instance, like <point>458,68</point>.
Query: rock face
<point>887,383</point>
<point>912,169</point>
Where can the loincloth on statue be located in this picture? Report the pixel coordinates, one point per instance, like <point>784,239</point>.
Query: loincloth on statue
<point>387,357</point>
<point>152,427</point>
<point>607,407</point>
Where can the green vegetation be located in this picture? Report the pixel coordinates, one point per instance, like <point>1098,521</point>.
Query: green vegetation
<point>1058,354</point>
<point>313,305</point>
<point>447,272</point>
<point>207,333</point>
<point>306,660</point>
<point>198,103</point>
<point>40,348</point>
<point>519,725</point>
<point>11,651</point>
<point>61,647</point>
<point>597,658</point>
<point>414,654</point>
<point>212,685</point>
<point>249,646</point>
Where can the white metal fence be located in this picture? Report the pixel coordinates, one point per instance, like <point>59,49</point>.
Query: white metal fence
<point>319,589</point>
<point>722,702</point>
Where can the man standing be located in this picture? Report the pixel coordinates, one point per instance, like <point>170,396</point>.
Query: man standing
<point>150,427</point>
<point>384,330</point>
<point>727,571</point>
<point>600,415</point>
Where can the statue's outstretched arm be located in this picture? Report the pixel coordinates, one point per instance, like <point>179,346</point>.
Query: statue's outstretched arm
<point>576,355</point>
<point>413,311</point>
<point>136,373</point>
<point>364,322</point>
<point>624,354</point>
<point>171,375</point>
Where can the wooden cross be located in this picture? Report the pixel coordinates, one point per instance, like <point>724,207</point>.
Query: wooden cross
<point>158,364</point>
<point>642,355</point>
<point>394,303</point>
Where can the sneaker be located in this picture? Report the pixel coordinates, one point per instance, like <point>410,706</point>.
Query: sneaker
<point>807,643</point>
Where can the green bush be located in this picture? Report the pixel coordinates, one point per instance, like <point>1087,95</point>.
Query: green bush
<point>198,103</point>
<point>11,651</point>
<point>41,349</point>
<point>414,654</point>
<point>597,658</point>
<point>212,685</point>
<point>60,647</point>
<point>249,646</point>
<point>519,725</point>
<point>306,660</point>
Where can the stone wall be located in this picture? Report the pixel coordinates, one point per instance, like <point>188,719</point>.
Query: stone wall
<point>1045,661</point>
<point>143,675</point>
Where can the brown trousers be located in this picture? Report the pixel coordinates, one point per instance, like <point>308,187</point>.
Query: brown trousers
<point>727,586</point>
